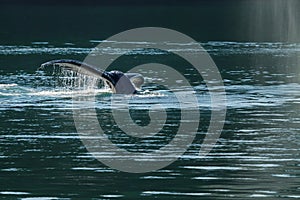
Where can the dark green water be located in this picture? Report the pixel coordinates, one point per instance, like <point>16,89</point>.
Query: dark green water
<point>42,156</point>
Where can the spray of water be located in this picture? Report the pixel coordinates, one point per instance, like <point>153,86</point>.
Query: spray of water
<point>273,20</point>
<point>70,82</point>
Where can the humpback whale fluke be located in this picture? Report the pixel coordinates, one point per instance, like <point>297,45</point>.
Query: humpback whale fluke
<point>119,82</point>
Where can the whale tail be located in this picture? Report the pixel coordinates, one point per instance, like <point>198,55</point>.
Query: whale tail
<point>119,82</point>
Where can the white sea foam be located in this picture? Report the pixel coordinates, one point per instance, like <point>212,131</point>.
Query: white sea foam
<point>8,85</point>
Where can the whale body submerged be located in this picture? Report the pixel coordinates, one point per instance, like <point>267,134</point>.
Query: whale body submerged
<point>119,82</point>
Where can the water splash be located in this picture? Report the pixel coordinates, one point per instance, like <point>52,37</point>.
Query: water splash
<point>275,20</point>
<point>66,80</point>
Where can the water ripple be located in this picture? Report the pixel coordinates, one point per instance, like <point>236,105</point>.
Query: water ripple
<point>213,47</point>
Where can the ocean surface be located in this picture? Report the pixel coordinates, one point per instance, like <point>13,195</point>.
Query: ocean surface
<point>256,157</point>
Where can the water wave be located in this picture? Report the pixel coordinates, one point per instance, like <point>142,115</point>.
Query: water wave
<point>212,47</point>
